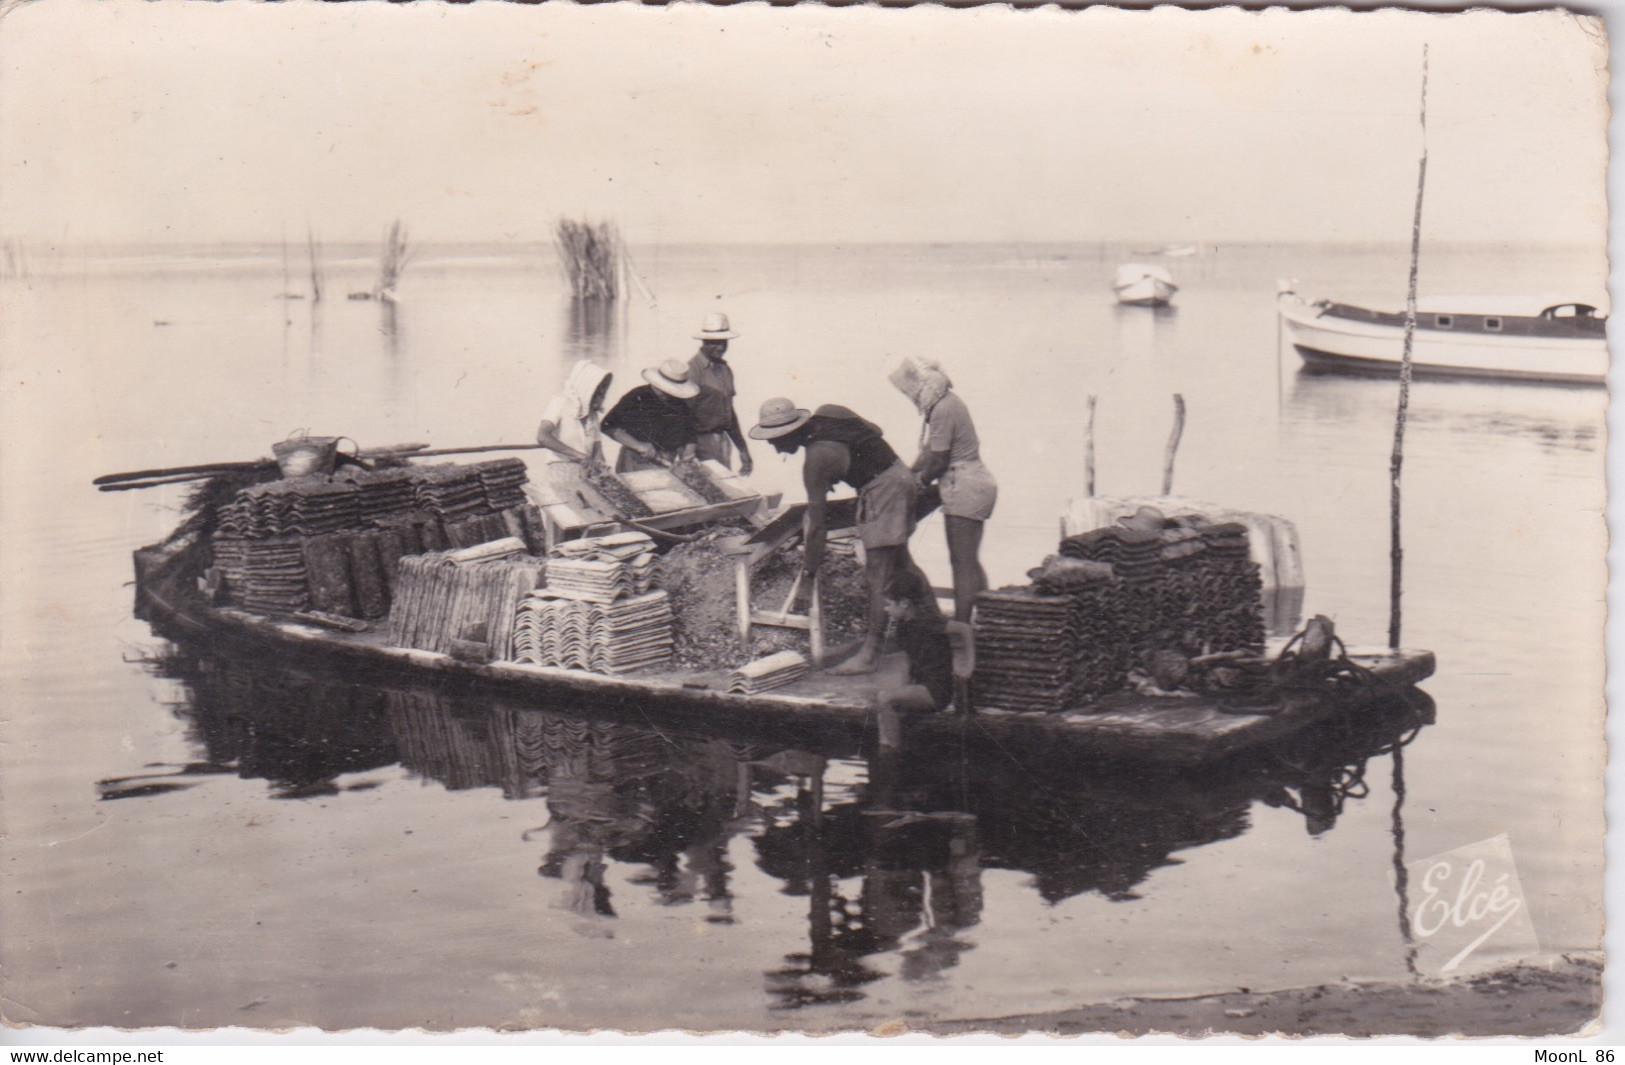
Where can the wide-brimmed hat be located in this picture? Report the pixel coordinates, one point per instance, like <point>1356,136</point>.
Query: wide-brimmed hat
<point>671,377</point>
<point>715,327</point>
<point>779,416</point>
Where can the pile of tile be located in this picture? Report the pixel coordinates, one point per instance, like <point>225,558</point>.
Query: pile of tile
<point>765,674</point>
<point>352,529</point>
<point>1046,652</point>
<point>600,609</point>
<point>450,491</point>
<point>380,494</point>
<point>271,576</point>
<point>504,483</point>
<point>475,530</point>
<point>439,599</point>
<point>602,637</point>
<point>1194,583</point>
<point>1112,597</point>
<point>304,507</point>
<point>1132,553</point>
<point>602,569</point>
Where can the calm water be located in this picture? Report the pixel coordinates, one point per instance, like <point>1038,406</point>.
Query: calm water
<point>202,843</point>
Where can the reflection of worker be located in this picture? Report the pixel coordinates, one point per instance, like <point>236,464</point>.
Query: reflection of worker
<point>950,454</point>
<point>716,422</point>
<point>570,426</point>
<point>841,446</point>
<point>654,423</point>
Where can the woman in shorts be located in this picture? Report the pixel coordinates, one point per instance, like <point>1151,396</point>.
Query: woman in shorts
<point>950,457</point>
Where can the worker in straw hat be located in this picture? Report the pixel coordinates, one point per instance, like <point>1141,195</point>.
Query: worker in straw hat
<point>841,446</point>
<point>717,421</point>
<point>654,423</point>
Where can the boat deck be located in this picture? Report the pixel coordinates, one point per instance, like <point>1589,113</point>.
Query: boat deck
<point>1180,729</point>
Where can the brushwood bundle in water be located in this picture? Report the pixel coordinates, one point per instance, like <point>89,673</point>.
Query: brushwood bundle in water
<point>591,256</point>
<point>397,252</point>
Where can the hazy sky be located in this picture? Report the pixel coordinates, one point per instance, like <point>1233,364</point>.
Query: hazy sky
<point>134,121</point>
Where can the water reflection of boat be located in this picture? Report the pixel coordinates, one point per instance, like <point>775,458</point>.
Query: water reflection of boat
<point>1561,343</point>
<point>890,862</point>
<point>1560,418</point>
<point>1143,285</point>
<point>1184,728</point>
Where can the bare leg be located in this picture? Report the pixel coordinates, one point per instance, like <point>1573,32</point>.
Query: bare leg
<point>891,704</point>
<point>964,550</point>
<point>878,566</point>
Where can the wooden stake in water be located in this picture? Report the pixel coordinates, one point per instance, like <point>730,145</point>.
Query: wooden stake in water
<point>1173,445</point>
<point>1089,451</point>
<point>1396,554</point>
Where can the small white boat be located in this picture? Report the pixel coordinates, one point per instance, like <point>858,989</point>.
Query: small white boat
<point>1559,343</point>
<point>1143,285</point>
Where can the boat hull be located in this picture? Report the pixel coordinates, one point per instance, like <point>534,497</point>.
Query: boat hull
<point>1188,729</point>
<point>1137,285</point>
<point>1329,343</point>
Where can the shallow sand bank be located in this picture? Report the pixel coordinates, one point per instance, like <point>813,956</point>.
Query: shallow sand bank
<point>1562,996</point>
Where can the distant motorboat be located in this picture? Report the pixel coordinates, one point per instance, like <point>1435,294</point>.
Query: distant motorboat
<point>1144,285</point>
<point>1171,251</point>
<point>1559,343</point>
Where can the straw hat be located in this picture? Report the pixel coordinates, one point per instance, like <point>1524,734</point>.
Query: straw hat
<point>779,416</point>
<point>671,377</point>
<point>715,327</point>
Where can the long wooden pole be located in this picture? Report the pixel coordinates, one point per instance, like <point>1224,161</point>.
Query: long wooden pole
<point>209,469</point>
<point>1396,553</point>
<point>1173,445</point>
<point>1089,452</point>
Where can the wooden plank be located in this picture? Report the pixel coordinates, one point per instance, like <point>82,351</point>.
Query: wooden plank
<point>815,625</point>
<point>781,619</point>
<point>678,519</point>
<point>838,514</point>
<point>742,603</point>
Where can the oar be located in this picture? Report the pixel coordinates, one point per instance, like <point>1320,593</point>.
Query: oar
<point>212,468</point>
<point>126,486</point>
<point>208,470</point>
<point>472,450</point>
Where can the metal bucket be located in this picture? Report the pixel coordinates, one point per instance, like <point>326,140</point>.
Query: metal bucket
<point>307,456</point>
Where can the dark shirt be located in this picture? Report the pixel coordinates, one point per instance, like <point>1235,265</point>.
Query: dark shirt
<point>650,415</point>
<point>930,658</point>
<point>870,454</point>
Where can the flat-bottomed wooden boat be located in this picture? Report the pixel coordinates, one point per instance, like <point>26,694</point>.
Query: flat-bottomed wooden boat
<point>1183,729</point>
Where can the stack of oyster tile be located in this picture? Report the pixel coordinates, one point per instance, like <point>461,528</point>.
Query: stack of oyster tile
<point>1111,598</point>
<point>765,674</point>
<point>619,637</point>
<point>600,610</point>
